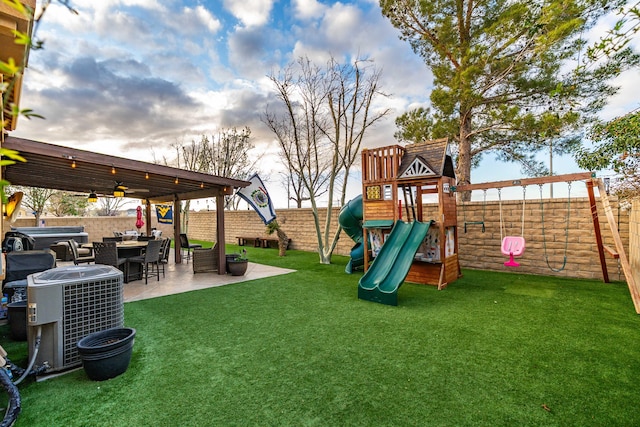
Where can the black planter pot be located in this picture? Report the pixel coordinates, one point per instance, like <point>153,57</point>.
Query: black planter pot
<point>106,354</point>
<point>231,257</point>
<point>237,267</point>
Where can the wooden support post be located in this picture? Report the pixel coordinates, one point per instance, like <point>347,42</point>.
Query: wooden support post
<point>596,229</point>
<point>624,262</point>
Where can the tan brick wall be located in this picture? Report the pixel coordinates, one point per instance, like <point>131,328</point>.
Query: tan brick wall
<point>634,240</point>
<point>97,227</point>
<point>297,223</point>
<point>482,250</point>
<point>477,250</point>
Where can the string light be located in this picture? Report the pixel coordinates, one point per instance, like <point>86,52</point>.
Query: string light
<point>73,164</point>
<point>146,175</point>
<point>201,184</point>
<point>113,170</point>
<point>176,181</point>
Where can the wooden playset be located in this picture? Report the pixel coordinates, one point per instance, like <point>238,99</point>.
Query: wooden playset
<point>395,181</point>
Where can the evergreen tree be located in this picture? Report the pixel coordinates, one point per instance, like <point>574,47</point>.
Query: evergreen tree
<point>500,84</point>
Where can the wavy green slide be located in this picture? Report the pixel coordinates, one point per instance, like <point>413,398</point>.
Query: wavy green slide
<point>387,272</point>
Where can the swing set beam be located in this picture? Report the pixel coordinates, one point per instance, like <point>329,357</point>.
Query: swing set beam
<point>580,176</point>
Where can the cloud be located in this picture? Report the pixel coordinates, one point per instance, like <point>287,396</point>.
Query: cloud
<point>308,9</point>
<point>252,13</point>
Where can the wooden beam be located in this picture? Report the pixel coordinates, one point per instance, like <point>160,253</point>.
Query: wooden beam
<point>611,251</point>
<point>222,258</point>
<point>624,262</point>
<point>581,176</point>
<point>596,229</point>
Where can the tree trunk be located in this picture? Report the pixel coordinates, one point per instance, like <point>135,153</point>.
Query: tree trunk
<point>463,168</point>
<point>283,242</point>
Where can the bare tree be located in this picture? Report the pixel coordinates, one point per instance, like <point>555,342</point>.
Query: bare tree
<point>109,206</point>
<point>323,117</point>
<point>227,154</point>
<point>35,199</point>
<point>224,154</point>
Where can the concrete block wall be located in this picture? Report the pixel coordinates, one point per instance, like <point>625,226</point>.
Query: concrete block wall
<point>482,250</point>
<point>477,250</point>
<point>634,240</point>
<point>96,226</point>
<point>297,223</point>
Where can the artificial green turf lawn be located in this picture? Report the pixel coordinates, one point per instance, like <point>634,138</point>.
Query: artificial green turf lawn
<point>300,349</point>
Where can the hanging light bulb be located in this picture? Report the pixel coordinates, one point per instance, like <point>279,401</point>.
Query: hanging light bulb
<point>113,170</point>
<point>73,164</point>
<point>176,181</point>
<point>146,175</point>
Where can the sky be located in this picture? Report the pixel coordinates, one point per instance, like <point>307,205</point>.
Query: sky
<point>132,77</point>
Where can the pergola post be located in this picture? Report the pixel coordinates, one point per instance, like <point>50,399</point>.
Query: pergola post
<point>220,238</point>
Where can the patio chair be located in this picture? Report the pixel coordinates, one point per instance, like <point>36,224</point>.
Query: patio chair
<point>164,253</point>
<point>186,246</point>
<point>205,260</point>
<point>107,253</point>
<point>150,260</point>
<point>77,258</point>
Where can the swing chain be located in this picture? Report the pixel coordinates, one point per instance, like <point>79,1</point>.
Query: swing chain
<point>566,230</point>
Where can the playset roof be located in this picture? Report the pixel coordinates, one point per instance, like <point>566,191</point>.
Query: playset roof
<point>434,155</point>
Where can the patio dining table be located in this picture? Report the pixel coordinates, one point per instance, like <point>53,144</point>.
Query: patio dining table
<point>129,249</point>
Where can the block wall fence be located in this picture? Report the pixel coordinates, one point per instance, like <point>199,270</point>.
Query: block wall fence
<point>478,250</point>
<point>634,240</point>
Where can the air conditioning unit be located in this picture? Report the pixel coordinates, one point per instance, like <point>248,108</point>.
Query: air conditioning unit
<point>69,303</point>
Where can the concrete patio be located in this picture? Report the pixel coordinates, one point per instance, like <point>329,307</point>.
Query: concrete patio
<point>180,278</point>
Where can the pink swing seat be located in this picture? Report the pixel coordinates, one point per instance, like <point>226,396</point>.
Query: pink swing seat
<point>512,246</point>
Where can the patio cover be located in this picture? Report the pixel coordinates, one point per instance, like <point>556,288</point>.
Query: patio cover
<point>50,166</point>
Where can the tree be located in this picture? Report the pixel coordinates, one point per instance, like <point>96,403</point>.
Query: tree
<point>62,203</point>
<point>618,148</point>
<point>109,206</point>
<point>224,154</point>
<point>35,200</point>
<point>283,240</point>
<point>323,115</point>
<point>617,144</point>
<point>499,82</point>
<point>227,154</point>
<point>414,125</point>
<point>615,39</point>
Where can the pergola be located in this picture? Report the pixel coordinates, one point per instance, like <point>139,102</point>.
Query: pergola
<point>70,169</point>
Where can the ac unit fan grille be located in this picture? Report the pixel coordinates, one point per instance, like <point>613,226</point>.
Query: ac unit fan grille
<point>90,307</point>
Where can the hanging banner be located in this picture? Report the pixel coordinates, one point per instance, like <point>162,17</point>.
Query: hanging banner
<point>258,198</point>
<point>164,214</point>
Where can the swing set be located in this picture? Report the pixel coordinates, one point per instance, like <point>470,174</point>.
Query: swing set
<point>514,246</point>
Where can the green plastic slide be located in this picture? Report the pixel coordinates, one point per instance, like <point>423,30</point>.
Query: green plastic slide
<point>387,272</point>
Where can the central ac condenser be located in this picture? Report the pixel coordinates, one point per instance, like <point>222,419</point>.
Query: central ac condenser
<point>69,303</point>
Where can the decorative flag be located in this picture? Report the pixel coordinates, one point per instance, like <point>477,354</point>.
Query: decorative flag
<point>164,214</point>
<point>258,198</point>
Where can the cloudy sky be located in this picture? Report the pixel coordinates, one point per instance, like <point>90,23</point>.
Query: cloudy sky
<point>132,77</point>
